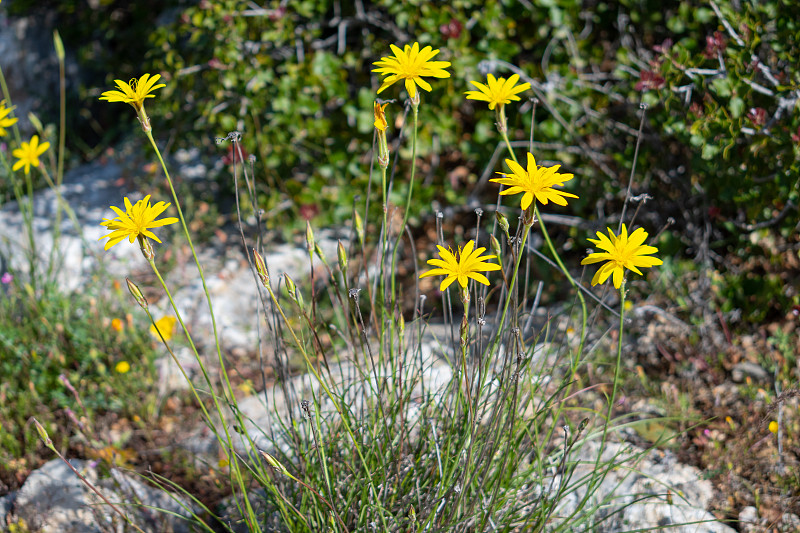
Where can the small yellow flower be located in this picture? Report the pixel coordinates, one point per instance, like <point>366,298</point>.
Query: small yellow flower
<point>536,183</point>
<point>460,266</point>
<point>410,64</point>
<point>380,116</point>
<point>134,92</point>
<point>117,325</point>
<point>773,427</point>
<point>135,221</point>
<point>28,154</point>
<point>123,367</point>
<point>5,120</point>
<point>497,91</point>
<point>621,252</point>
<point>165,325</point>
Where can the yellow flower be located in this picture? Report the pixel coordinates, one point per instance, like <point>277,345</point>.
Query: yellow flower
<point>5,120</point>
<point>410,64</point>
<point>117,325</point>
<point>135,221</point>
<point>28,154</point>
<point>536,182</point>
<point>465,264</point>
<point>621,252</point>
<point>165,325</point>
<point>134,92</point>
<point>497,91</point>
<point>123,367</point>
<point>380,116</point>
<point>773,427</point>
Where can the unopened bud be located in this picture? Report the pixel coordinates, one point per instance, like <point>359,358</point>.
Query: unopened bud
<point>273,462</point>
<point>43,434</point>
<point>402,324</point>
<point>320,254</point>
<point>309,238</point>
<point>147,248</point>
<point>495,244</point>
<point>137,294</point>
<point>290,286</point>
<point>502,221</point>
<point>342,253</point>
<point>261,268</point>
<point>359,227</point>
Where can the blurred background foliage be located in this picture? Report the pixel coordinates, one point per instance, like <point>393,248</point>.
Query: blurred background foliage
<point>719,81</point>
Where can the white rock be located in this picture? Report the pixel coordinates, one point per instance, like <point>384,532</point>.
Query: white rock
<point>748,519</point>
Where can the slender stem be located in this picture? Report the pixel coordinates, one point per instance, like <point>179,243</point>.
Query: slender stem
<point>229,441</point>
<point>556,257</point>
<point>415,107</point>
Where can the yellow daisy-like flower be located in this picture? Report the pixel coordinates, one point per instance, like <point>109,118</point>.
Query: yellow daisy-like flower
<point>461,266</point>
<point>5,120</point>
<point>135,91</point>
<point>621,252</point>
<point>135,221</point>
<point>497,91</point>
<point>536,182</point>
<point>380,117</point>
<point>166,325</point>
<point>123,367</point>
<point>28,154</point>
<point>410,64</point>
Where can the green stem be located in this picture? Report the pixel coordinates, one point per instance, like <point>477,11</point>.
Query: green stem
<point>230,395</point>
<point>556,257</point>
<point>415,107</point>
<point>230,456</point>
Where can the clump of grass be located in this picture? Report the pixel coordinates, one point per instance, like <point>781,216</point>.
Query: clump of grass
<point>378,435</point>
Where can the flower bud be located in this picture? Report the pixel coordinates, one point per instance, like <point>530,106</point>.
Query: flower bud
<point>320,254</point>
<point>290,286</point>
<point>342,257</point>
<point>309,238</point>
<point>495,244</point>
<point>261,268</point>
<point>502,221</point>
<point>137,294</point>
<point>273,462</point>
<point>359,227</point>
<point>147,248</point>
<point>43,434</point>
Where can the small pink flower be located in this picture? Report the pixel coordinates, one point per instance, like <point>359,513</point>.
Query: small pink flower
<point>6,278</point>
<point>757,115</point>
<point>714,44</point>
<point>649,80</point>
